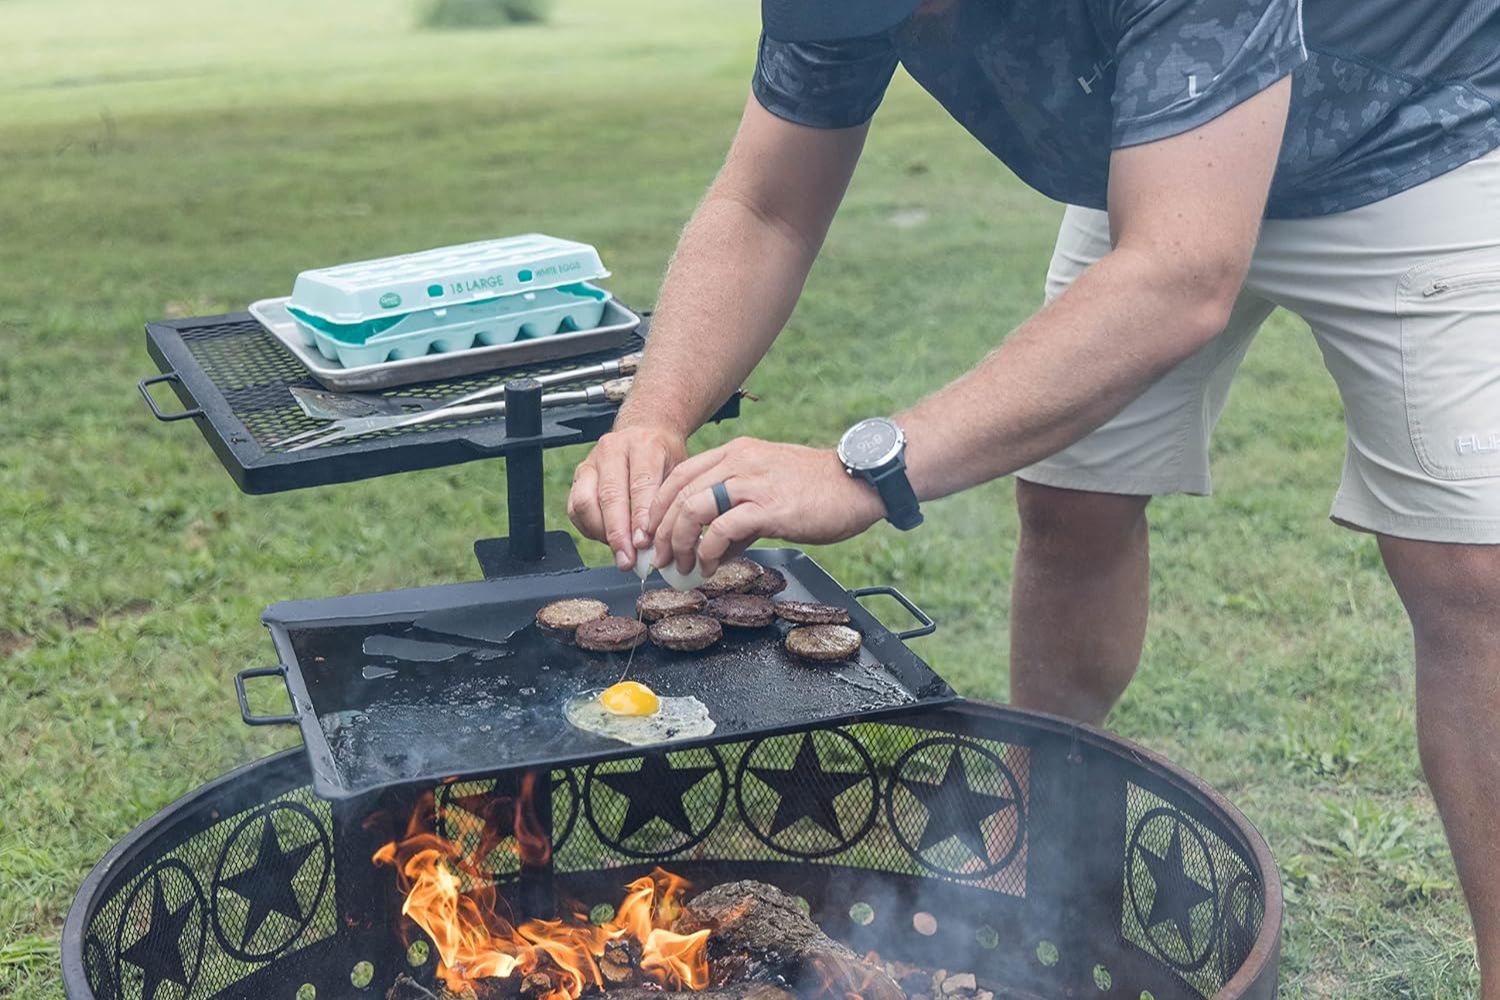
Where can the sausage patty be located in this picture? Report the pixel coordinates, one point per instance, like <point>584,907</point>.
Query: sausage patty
<point>562,618</point>
<point>742,610</point>
<point>687,633</point>
<point>612,634</point>
<point>824,643</point>
<point>734,576</point>
<point>811,613</point>
<point>654,605</point>
<point>771,581</point>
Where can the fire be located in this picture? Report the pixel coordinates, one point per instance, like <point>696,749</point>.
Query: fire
<point>447,896</point>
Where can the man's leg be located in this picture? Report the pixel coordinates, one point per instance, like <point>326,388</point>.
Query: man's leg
<point>1078,599</point>
<point>1452,593</point>
<point>1078,607</point>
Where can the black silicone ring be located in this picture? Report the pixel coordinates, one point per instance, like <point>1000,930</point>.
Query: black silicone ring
<point>721,497</point>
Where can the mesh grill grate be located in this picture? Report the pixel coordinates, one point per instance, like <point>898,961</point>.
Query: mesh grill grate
<point>253,371</point>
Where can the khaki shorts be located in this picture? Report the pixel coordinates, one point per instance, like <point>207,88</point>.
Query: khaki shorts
<point>1403,297</point>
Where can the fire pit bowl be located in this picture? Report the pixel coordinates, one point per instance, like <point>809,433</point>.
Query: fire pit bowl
<point>1047,859</point>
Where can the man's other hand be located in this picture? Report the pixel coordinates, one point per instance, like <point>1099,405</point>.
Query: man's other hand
<point>775,490</point>
<point>613,488</point>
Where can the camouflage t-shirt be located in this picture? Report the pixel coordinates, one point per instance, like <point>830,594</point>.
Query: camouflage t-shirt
<point>1385,93</point>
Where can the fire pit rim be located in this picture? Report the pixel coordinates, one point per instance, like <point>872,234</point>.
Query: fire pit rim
<point>1265,949</point>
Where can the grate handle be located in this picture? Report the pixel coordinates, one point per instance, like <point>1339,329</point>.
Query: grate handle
<point>251,719</point>
<point>145,385</point>
<point>927,626</point>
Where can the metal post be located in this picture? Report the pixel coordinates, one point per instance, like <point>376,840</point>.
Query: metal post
<point>523,471</point>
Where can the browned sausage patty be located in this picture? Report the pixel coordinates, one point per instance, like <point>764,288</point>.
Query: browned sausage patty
<point>824,643</point>
<point>734,576</point>
<point>769,582</point>
<point>611,635</point>
<point>742,610</point>
<point>654,605</point>
<point>687,633</point>
<point>561,618</point>
<point>811,613</point>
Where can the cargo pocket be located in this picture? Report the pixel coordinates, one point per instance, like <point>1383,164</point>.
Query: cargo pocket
<point>1450,363</point>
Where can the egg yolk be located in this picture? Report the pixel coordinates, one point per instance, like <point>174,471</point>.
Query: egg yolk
<point>629,698</point>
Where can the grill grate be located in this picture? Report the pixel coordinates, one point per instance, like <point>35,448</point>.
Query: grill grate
<point>235,377</point>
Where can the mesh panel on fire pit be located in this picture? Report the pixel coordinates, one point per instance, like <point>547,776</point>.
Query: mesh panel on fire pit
<point>1049,861</point>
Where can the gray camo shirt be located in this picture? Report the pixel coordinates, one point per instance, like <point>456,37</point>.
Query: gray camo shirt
<point>1386,94</point>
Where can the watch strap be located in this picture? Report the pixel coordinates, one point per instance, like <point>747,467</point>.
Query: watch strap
<point>901,506</point>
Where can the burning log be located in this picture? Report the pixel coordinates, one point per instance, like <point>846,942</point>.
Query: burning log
<point>732,991</point>
<point>407,988</point>
<point>620,963</point>
<point>759,934</point>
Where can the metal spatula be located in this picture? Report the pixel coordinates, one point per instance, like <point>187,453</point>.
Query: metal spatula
<point>364,423</point>
<point>613,391</point>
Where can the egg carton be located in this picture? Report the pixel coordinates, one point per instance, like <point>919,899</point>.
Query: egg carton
<point>487,323</point>
<point>364,292</point>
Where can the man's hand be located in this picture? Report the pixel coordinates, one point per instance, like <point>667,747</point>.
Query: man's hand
<point>613,488</point>
<point>776,491</point>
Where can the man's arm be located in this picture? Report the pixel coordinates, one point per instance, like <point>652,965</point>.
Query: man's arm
<point>734,279</point>
<point>1185,214</point>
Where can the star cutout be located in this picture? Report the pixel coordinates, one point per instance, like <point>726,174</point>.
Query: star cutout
<point>262,889</point>
<point>1176,892</point>
<point>807,790</point>
<point>158,952</point>
<point>484,806</point>
<point>955,809</point>
<point>655,792</point>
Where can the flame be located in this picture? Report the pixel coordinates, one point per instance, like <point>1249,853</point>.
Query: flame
<point>448,896</point>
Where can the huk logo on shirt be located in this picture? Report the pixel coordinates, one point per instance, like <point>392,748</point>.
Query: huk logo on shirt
<point>1096,74</point>
<point>1478,444</point>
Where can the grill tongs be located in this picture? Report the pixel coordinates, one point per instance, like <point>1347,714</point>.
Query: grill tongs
<point>480,403</point>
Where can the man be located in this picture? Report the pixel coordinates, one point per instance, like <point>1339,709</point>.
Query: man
<point>1220,158</point>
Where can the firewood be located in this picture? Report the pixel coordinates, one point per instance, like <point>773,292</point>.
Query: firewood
<point>619,962</point>
<point>407,988</point>
<point>760,934</point>
<point>959,981</point>
<point>536,984</point>
<point>733,991</point>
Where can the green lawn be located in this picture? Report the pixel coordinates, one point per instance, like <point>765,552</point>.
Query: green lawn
<point>171,157</point>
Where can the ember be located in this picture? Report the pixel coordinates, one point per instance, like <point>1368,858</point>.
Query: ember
<point>450,898</point>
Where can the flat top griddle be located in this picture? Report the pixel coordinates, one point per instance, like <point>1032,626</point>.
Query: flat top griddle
<point>448,681</point>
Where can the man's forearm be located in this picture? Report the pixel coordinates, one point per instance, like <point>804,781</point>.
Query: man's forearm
<point>732,284</point>
<point>1068,369</point>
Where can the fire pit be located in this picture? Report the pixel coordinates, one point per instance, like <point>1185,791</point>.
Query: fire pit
<point>902,844</point>
<point>1046,859</point>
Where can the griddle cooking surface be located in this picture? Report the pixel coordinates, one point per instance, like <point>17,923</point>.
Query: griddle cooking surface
<point>446,681</point>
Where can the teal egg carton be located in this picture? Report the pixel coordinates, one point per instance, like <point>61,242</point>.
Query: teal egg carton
<point>349,295</point>
<point>489,322</point>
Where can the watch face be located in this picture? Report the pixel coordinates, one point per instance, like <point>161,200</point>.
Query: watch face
<point>870,444</point>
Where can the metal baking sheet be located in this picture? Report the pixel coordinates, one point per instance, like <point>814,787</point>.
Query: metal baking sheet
<point>615,327</point>
<point>442,682</point>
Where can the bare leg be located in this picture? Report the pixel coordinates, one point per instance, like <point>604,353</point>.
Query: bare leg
<point>1079,599</point>
<point>1452,593</point>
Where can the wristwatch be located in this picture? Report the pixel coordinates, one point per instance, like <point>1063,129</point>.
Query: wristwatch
<point>875,450</point>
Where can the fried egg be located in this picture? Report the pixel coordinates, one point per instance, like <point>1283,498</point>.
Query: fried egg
<point>632,713</point>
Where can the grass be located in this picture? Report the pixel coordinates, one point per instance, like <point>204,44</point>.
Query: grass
<point>165,157</point>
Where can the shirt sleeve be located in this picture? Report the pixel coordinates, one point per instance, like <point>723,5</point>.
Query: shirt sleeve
<point>1182,63</point>
<point>824,84</point>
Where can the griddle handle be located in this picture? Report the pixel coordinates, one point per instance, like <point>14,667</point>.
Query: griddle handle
<point>927,627</point>
<point>145,385</point>
<point>251,719</point>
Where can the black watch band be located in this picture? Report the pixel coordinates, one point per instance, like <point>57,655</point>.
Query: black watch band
<point>901,507</point>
